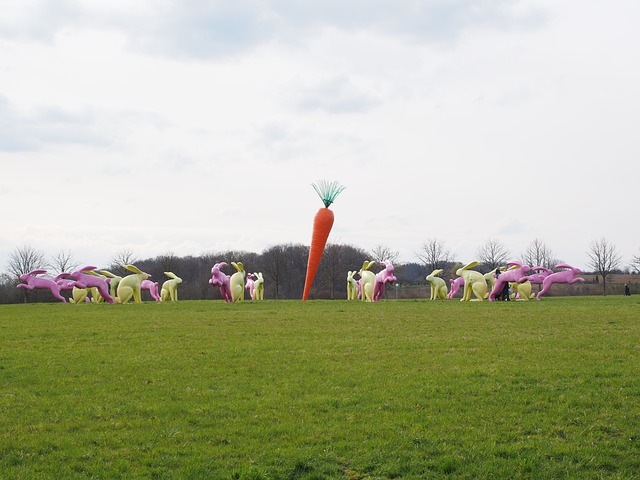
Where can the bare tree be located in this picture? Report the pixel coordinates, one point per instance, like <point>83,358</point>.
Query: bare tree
<point>199,269</point>
<point>8,290</point>
<point>63,262</point>
<point>538,254</point>
<point>337,260</point>
<point>492,254</point>
<point>297,259</point>
<point>274,263</point>
<point>604,258</point>
<point>635,263</point>
<point>122,258</point>
<point>434,254</point>
<point>284,268</point>
<point>168,261</point>
<point>381,253</point>
<point>25,259</point>
<point>331,268</point>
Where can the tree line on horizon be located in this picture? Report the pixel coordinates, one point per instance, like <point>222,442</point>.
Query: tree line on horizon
<point>284,267</point>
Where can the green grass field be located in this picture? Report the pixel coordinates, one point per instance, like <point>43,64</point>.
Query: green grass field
<point>322,389</point>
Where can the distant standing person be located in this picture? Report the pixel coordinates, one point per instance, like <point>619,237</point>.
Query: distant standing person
<point>627,292</point>
<point>506,292</point>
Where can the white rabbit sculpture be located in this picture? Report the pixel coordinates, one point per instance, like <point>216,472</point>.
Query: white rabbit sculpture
<point>473,282</point>
<point>130,286</point>
<point>236,282</point>
<point>438,285</point>
<point>169,290</point>
<point>490,277</point>
<point>258,286</point>
<point>367,281</point>
<point>352,286</point>
<point>113,281</point>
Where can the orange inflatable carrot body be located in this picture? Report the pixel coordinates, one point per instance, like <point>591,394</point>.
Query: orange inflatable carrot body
<point>322,224</point>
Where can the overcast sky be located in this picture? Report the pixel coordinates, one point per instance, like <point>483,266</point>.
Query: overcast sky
<point>191,126</point>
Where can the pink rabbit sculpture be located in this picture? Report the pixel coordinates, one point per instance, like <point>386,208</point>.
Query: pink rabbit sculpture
<point>152,287</point>
<point>65,283</point>
<point>69,284</point>
<point>250,285</point>
<point>221,279</point>
<point>382,278</point>
<point>515,271</point>
<point>536,278</point>
<point>455,286</point>
<point>564,276</point>
<point>86,278</point>
<point>32,282</point>
<point>78,295</point>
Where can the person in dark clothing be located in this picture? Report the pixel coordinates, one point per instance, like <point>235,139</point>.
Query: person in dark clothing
<point>627,292</point>
<point>505,292</point>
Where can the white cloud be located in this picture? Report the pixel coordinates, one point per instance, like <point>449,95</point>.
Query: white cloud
<point>337,95</point>
<point>204,29</point>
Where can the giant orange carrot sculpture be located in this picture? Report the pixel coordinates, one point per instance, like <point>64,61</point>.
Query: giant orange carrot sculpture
<point>322,223</point>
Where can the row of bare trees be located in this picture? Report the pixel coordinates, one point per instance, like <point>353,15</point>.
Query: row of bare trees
<point>284,266</point>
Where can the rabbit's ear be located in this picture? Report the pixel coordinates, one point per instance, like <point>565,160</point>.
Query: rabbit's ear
<point>514,264</point>
<point>107,273</point>
<point>238,266</point>
<point>133,268</point>
<point>436,272</point>
<point>368,264</point>
<point>87,268</point>
<point>475,263</point>
<point>563,265</point>
<point>170,275</point>
<point>37,272</point>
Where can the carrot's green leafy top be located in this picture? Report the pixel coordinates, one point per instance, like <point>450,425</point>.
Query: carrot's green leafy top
<point>328,191</point>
